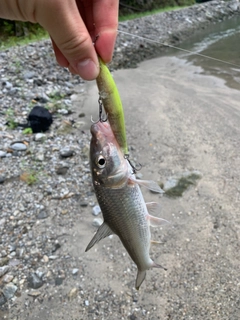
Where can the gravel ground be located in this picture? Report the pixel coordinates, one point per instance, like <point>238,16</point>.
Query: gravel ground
<point>45,183</point>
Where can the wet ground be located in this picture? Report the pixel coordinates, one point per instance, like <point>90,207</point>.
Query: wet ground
<point>177,120</point>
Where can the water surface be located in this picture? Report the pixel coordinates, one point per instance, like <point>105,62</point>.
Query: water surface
<point>220,41</point>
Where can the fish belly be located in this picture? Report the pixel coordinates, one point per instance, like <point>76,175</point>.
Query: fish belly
<point>124,211</point>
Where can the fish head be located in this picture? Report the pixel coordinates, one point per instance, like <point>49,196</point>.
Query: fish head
<point>108,165</point>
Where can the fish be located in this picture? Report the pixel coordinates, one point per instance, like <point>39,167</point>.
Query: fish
<point>109,95</point>
<point>118,192</point>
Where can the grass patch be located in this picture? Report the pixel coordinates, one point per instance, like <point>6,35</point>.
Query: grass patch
<point>30,177</point>
<point>8,38</point>
<point>132,16</point>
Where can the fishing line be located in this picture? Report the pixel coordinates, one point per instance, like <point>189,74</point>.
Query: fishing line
<point>178,48</point>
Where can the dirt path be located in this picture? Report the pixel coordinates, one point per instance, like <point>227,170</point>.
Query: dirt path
<point>176,120</point>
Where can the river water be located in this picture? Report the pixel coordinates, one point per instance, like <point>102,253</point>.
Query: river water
<point>220,41</point>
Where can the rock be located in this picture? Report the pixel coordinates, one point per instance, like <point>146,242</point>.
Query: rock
<point>7,84</point>
<point>29,74</point>
<point>34,281</point>
<point>73,293</point>
<point>9,290</point>
<point>59,281</point>
<point>62,170</point>
<point>53,257</point>
<point>42,215</point>
<point>3,299</point>
<point>34,294</point>
<point>63,111</point>
<point>40,136</point>
<point>97,222</point>
<point>4,261</point>
<point>7,278</point>
<point>45,259</point>
<point>75,271</point>
<point>40,156</point>
<point>2,179</point>
<point>96,210</point>
<point>3,270</point>
<point>83,204</point>
<point>66,152</point>
<point>2,154</point>
<point>18,146</point>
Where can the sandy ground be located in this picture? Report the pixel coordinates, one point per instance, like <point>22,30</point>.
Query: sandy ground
<point>177,119</point>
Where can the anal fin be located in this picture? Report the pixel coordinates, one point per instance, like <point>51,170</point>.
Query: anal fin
<point>102,232</point>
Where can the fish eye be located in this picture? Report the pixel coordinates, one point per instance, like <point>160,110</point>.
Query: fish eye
<point>101,162</point>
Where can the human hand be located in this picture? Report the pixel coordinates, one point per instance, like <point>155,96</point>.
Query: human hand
<point>73,26</point>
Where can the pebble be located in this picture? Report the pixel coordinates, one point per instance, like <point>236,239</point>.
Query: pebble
<point>40,136</point>
<point>2,179</point>
<point>3,299</point>
<point>4,261</point>
<point>53,257</point>
<point>62,170</point>
<point>96,210</point>
<point>66,152</point>
<point>7,278</point>
<point>29,74</point>
<point>63,111</point>
<point>7,84</point>
<point>34,294</point>
<point>45,258</point>
<point>2,154</point>
<point>42,215</point>
<point>9,290</point>
<point>97,222</point>
<point>34,281</point>
<point>18,146</point>
<point>75,271</point>
<point>3,270</point>
<point>73,293</point>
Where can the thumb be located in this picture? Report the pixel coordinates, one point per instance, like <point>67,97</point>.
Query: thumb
<point>71,41</point>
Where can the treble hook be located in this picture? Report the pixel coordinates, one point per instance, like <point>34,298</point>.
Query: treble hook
<point>100,104</point>
<point>135,169</point>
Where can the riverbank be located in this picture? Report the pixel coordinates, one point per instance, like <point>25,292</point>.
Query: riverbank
<point>46,196</point>
<point>169,28</point>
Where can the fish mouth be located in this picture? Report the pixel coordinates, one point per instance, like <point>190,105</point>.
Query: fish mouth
<point>102,130</point>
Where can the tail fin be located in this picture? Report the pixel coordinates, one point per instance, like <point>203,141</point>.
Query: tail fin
<point>140,278</point>
<point>155,265</point>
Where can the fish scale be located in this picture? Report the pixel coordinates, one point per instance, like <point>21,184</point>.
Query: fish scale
<point>129,221</point>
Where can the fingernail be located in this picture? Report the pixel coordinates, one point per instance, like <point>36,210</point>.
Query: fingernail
<point>87,69</point>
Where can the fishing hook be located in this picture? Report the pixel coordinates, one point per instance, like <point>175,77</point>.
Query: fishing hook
<point>135,168</point>
<point>101,119</point>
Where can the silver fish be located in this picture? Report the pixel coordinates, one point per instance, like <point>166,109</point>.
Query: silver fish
<point>120,198</point>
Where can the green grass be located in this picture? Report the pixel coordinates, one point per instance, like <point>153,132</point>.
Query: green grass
<point>148,13</point>
<point>11,41</point>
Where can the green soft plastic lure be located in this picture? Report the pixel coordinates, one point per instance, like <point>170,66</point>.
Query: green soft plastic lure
<point>112,104</point>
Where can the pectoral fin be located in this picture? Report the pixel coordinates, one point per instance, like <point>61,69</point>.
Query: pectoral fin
<point>149,184</point>
<point>140,278</point>
<point>156,222</point>
<point>102,232</point>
